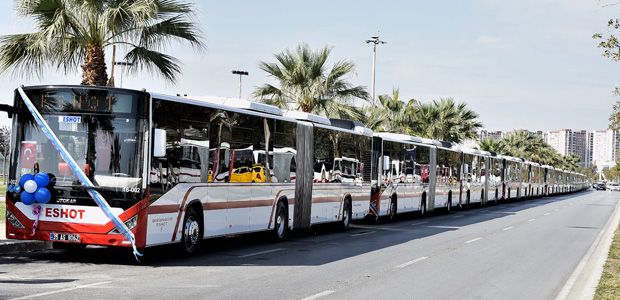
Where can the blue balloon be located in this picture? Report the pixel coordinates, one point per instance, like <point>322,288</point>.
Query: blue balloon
<point>42,179</point>
<point>27,198</point>
<point>25,178</point>
<point>42,195</point>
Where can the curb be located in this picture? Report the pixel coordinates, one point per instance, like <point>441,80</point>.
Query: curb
<point>19,246</point>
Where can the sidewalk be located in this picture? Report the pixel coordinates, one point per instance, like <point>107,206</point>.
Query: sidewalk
<point>16,246</point>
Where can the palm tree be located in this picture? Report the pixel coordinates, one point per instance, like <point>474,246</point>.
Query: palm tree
<point>443,120</point>
<point>571,162</point>
<point>305,82</point>
<point>72,33</point>
<point>491,145</point>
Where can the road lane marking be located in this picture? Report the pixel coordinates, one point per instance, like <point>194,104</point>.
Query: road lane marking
<point>363,233</point>
<point>546,214</point>
<point>420,223</point>
<point>261,252</point>
<point>458,216</point>
<point>507,228</point>
<point>319,295</point>
<point>411,262</point>
<point>530,220</point>
<point>474,240</point>
<point>63,290</point>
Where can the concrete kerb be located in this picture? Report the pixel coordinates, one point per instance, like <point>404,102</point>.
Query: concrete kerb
<point>18,246</point>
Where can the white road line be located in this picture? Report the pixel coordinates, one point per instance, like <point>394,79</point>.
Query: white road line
<point>319,295</point>
<point>531,220</point>
<point>363,233</point>
<point>474,240</point>
<point>63,290</point>
<point>507,228</point>
<point>411,262</point>
<point>420,223</point>
<point>262,252</point>
<point>458,216</point>
<point>546,214</point>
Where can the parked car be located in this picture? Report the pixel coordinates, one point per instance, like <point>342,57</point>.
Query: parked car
<point>614,187</point>
<point>600,186</point>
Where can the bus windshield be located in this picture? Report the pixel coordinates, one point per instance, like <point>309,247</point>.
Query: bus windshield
<point>105,137</point>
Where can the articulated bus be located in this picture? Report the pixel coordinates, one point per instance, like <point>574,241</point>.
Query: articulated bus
<point>176,170</point>
<point>119,167</point>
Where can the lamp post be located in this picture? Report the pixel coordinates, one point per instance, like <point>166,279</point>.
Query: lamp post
<point>240,73</point>
<point>123,64</point>
<point>375,41</point>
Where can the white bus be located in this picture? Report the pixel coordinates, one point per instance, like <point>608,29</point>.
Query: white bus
<point>177,170</point>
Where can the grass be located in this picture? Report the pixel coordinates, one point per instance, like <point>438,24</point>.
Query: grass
<point>609,286</point>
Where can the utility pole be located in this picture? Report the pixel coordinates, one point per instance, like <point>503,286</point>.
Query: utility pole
<point>375,41</point>
<point>240,73</point>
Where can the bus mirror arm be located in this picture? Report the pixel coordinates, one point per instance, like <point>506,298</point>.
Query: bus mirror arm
<point>159,143</point>
<point>10,110</point>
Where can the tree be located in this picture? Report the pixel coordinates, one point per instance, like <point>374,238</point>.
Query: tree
<point>72,33</point>
<point>612,51</point>
<point>491,145</point>
<point>444,120</point>
<point>5,148</point>
<point>305,82</point>
<point>570,162</point>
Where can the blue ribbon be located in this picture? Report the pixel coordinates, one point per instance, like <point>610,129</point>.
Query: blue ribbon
<point>103,205</point>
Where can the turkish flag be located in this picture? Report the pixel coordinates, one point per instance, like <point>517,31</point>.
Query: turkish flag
<point>28,154</point>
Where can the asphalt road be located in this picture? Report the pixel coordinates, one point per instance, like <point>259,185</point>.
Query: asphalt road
<point>522,250</point>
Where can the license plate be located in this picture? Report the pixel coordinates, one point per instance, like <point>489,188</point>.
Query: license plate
<point>74,238</point>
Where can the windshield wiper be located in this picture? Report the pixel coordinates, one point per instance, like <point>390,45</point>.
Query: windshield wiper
<point>82,187</point>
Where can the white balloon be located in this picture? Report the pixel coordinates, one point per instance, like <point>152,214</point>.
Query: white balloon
<point>30,186</point>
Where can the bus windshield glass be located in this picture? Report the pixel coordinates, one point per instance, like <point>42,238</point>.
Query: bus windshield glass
<point>103,130</point>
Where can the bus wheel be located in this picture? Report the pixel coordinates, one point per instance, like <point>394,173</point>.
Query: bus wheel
<point>281,222</point>
<point>192,231</point>
<point>468,199</point>
<point>393,208</point>
<point>449,204</point>
<point>496,194</point>
<point>346,215</point>
<point>423,207</point>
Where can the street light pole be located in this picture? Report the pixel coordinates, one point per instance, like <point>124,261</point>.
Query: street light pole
<point>240,73</point>
<point>375,41</point>
<point>123,64</point>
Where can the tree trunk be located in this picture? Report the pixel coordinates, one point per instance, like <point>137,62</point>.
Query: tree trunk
<point>94,69</point>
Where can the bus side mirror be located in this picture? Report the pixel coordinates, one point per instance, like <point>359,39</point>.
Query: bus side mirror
<point>159,143</point>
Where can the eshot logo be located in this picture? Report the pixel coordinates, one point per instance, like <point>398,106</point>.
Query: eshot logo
<point>69,119</point>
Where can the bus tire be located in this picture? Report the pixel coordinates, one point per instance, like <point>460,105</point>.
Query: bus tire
<point>449,204</point>
<point>468,199</point>
<point>192,232</point>
<point>280,223</point>
<point>423,206</point>
<point>346,214</point>
<point>393,208</point>
<point>496,195</point>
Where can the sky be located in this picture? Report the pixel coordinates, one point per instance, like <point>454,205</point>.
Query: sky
<point>527,64</point>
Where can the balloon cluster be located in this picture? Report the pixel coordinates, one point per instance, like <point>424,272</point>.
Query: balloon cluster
<point>35,188</point>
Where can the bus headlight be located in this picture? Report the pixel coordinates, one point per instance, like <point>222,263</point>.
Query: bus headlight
<point>131,223</point>
<point>13,220</point>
